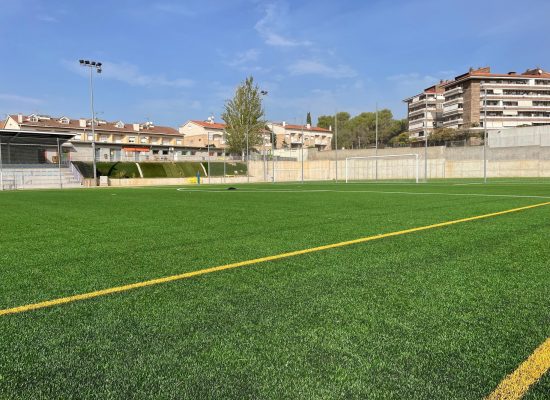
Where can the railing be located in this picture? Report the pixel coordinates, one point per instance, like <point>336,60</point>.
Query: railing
<point>76,173</point>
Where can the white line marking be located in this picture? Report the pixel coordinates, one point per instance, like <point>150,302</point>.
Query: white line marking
<point>517,196</point>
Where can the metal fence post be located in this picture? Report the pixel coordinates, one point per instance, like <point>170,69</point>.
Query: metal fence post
<point>59,164</point>
<point>1,167</point>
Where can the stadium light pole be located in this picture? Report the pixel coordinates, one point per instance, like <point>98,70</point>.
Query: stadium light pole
<point>485,137</point>
<point>97,66</point>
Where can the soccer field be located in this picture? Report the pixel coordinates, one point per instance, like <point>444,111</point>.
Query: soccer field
<point>442,312</point>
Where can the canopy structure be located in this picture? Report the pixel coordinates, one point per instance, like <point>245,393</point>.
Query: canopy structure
<point>22,147</point>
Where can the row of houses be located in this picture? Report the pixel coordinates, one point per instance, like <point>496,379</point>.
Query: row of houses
<point>121,141</point>
<point>479,99</point>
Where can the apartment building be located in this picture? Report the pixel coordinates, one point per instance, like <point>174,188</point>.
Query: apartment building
<point>115,141</point>
<point>512,99</point>
<point>203,134</point>
<point>295,136</point>
<point>425,111</point>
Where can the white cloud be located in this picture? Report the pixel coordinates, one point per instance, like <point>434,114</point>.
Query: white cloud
<point>130,74</point>
<point>312,67</point>
<point>14,98</point>
<point>244,57</point>
<point>274,20</point>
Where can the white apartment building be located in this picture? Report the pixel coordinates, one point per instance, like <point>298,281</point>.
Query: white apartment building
<point>424,111</point>
<point>295,136</point>
<point>512,99</point>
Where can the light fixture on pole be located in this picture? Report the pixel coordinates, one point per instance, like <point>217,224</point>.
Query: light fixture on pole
<point>97,66</point>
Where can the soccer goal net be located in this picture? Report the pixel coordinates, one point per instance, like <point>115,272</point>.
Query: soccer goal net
<point>392,166</point>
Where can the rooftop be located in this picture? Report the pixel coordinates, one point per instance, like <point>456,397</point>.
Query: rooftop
<point>48,122</point>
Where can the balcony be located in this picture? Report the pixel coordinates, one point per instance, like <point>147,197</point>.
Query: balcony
<point>456,110</point>
<point>455,90</point>
<point>453,101</point>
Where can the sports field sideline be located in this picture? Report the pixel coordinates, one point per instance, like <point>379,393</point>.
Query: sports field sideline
<point>363,290</point>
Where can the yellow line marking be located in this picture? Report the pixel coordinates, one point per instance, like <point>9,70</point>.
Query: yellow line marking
<point>124,288</point>
<point>515,385</point>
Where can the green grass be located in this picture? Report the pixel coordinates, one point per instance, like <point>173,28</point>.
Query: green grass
<point>117,170</point>
<point>444,313</point>
<point>185,169</point>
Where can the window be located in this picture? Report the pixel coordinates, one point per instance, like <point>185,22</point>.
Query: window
<point>144,139</point>
<point>64,120</point>
<point>178,142</point>
<point>131,139</point>
<point>90,137</point>
<point>104,138</point>
<point>77,136</point>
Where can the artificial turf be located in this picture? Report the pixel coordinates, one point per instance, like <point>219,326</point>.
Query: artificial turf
<point>444,313</point>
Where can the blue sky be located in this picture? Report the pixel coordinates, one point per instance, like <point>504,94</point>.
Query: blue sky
<point>170,61</point>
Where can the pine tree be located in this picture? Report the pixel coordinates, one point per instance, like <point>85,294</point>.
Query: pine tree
<point>308,118</point>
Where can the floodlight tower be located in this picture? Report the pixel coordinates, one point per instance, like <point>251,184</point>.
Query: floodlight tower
<point>97,66</point>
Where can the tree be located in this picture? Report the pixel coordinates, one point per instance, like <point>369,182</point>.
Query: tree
<point>327,122</point>
<point>243,116</point>
<point>400,140</point>
<point>308,118</point>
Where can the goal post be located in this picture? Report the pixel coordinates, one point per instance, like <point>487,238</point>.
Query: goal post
<point>391,166</point>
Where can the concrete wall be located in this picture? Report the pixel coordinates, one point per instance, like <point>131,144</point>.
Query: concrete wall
<point>443,162</point>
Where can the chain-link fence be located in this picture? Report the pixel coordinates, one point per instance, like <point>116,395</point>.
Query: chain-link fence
<point>34,161</point>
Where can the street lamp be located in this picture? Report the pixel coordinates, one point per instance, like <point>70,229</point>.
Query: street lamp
<point>97,66</point>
